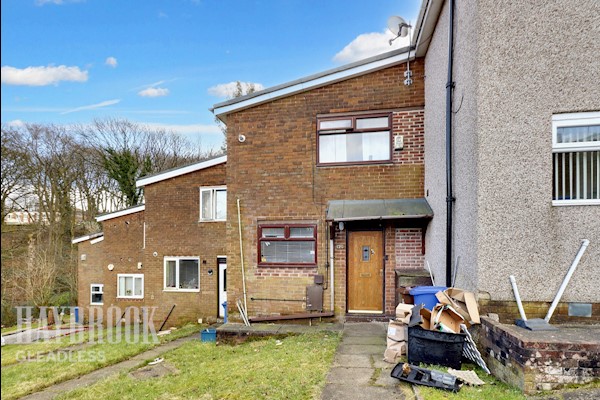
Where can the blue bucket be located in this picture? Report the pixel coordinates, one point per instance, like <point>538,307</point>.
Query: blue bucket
<point>208,335</point>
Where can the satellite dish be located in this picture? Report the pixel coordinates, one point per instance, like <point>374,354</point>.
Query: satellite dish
<point>398,26</point>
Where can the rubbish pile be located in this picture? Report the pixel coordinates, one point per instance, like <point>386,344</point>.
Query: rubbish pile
<point>434,330</point>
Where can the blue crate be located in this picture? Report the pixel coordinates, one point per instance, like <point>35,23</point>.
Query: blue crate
<point>208,335</point>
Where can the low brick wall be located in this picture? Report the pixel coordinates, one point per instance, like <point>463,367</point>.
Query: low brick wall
<point>508,311</point>
<point>541,360</point>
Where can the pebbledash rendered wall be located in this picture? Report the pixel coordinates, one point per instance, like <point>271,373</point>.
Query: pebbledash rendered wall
<point>516,64</point>
<point>275,176</point>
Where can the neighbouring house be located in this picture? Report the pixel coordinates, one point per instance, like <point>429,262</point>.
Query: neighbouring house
<point>168,253</point>
<point>525,150</point>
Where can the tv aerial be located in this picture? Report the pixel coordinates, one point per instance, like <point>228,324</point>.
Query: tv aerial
<point>400,28</point>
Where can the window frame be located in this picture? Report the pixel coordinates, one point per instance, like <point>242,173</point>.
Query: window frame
<point>134,276</point>
<point>353,118</point>
<point>572,120</point>
<point>213,190</point>
<point>92,292</point>
<point>176,288</point>
<point>286,227</point>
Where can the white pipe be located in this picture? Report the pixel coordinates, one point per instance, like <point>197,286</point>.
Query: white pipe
<point>563,286</point>
<point>242,256</point>
<point>513,281</point>
<point>331,274</point>
<point>430,274</point>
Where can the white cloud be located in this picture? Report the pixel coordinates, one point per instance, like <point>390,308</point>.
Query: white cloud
<point>17,123</point>
<point>93,106</point>
<point>154,92</point>
<point>370,44</point>
<point>42,76</point>
<point>228,90</point>
<point>111,62</point>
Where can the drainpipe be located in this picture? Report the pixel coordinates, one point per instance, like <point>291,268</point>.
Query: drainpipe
<point>449,195</point>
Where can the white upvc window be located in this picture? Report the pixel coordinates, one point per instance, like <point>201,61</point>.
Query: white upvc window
<point>182,274</point>
<point>130,286</point>
<point>576,159</point>
<point>96,294</point>
<point>213,203</point>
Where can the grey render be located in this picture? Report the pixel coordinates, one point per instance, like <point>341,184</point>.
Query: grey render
<point>515,65</point>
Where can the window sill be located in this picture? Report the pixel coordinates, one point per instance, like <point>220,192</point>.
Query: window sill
<point>96,304</point>
<point>181,290</point>
<point>357,164</point>
<point>560,203</point>
<point>287,265</point>
<point>130,298</point>
<point>212,220</point>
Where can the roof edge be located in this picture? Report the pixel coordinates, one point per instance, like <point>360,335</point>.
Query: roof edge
<point>172,173</point>
<point>120,213</point>
<point>327,77</point>
<point>86,237</point>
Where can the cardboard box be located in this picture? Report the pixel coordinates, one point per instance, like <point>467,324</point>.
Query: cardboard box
<point>446,319</point>
<point>397,331</point>
<point>393,353</point>
<point>403,312</point>
<point>463,302</point>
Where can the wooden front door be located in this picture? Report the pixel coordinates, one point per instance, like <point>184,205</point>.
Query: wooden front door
<point>365,272</point>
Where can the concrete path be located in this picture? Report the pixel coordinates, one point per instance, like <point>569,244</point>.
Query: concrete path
<point>93,377</point>
<point>358,370</point>
<point>35,334</point>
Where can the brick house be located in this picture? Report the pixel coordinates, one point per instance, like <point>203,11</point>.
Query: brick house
<point>328,172</point>
<point>168,252</point>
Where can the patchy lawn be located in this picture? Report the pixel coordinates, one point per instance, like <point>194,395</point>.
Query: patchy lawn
<point>293,367</point>
<point>27,377</point>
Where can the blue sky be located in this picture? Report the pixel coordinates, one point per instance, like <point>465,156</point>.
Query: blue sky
<point>165,63</point>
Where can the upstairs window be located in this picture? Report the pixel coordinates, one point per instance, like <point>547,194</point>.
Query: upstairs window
<point>576,158</point>
<point>358,139</point>
<point>287,245</point>
<point>213,203</point>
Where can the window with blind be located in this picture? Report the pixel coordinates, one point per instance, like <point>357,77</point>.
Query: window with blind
<point>357,139</point>
<point>130,286</point>
<point>576,159</point>
<point>182,274</point>
<point>287,245</point>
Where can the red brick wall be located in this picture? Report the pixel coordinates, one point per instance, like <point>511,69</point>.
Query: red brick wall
<point>88,271</point>
<point>274,174</point>
<point>173,229</point>
<point>409,248</point>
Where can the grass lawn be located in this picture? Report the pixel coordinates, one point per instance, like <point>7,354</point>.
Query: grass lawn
<point>259,369</point>
<point>30,376</point>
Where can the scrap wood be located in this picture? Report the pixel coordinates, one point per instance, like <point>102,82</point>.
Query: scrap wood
<point>468,377</point>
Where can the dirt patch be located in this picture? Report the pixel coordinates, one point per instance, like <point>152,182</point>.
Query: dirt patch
<point>154,371</point>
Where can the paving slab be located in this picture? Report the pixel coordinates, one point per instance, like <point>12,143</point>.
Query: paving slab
<point>352,360</point>
<point>344,391</point>
<point>373,340</point>
<point>350,376</point>
<point>361,349</point>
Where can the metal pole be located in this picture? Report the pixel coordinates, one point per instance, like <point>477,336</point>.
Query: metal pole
<point>563,286</point>
<point>513,281</point>
<point>242,256</point>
